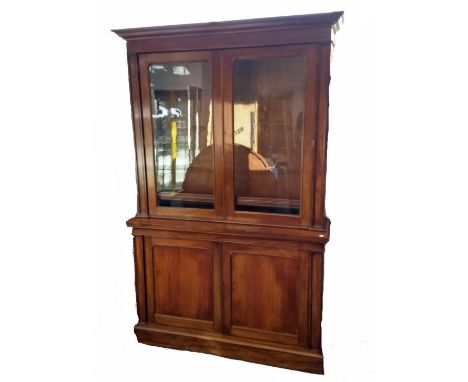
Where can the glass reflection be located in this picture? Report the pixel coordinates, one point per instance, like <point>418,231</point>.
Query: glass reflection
<point>268,113</point>
<point>183,134</point>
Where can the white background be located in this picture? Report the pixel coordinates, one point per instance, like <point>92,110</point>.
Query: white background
<point>395,303</point>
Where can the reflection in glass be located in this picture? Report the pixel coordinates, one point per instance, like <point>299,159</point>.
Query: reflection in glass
<point>183,133</point>
<point>268,107</point>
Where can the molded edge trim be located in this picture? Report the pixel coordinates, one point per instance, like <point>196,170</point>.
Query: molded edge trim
<point>229,347</point>
<point>331,20</point>
<point>298,233</point>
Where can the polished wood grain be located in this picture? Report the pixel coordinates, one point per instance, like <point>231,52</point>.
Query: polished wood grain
<point>149,279</point>
<point>140,162</point>
<point>303,298</point>
<point>222,239</point>
<point>316,292</point>
<point>217,287</point>
<point>218,136</point>
<point>184,322</point>
<point>310,129</point>
<point>316,20</point>
<point>240,284</point>
<point>265,293</point>
<point>231,347</point>
<point>321,136</point>
<point>228,147</point>
<point>183,283</point>
<point>300,29</point>
<point>138,255</point>
<point>233,228</point>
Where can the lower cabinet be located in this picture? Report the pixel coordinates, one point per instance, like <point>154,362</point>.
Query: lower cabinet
<point>255,302</point>
<point>244,291</point>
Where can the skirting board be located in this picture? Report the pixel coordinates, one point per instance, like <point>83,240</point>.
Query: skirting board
<point>306,361</point>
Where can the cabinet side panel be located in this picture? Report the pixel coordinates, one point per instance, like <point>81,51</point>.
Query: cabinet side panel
<point>140,168</point>
<point>149,279</point>
<point>316,301</point>
<point>321,136</point>
<point>310,129</point>
<point>147,126</point>
<point>138,253</point>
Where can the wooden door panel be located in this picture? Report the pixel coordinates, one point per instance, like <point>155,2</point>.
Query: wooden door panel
<point>181,278</point>
<point>265,293</point>
<point>183,282</point>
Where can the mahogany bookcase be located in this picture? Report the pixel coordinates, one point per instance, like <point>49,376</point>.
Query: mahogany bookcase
<point>230,124</point>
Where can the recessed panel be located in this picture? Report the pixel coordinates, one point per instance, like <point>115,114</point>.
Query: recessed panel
<point>183,282</point>
<point>265,292</point>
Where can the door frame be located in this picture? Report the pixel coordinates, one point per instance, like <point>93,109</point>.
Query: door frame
<point>214,60</point>
<point>310,53</point>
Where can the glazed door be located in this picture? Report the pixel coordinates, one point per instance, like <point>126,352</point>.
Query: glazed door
<point>270,99</point>
<point>265,293</point>
<point>180,95</point>
<point>183,283</point>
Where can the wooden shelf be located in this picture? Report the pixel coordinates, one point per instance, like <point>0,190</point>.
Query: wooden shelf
<point>240,200</point>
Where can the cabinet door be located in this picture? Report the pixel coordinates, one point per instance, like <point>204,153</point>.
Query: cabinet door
<point>183,283</point>
<point>180,95</point>
<point>265,293</point>
<point>269,126</point>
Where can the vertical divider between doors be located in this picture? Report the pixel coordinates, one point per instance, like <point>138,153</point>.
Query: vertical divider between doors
<point>217,97</point>
<point>226,64</point>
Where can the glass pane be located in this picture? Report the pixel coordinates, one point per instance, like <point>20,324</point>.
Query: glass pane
<point>183,133</point>
<point>268,112</point>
